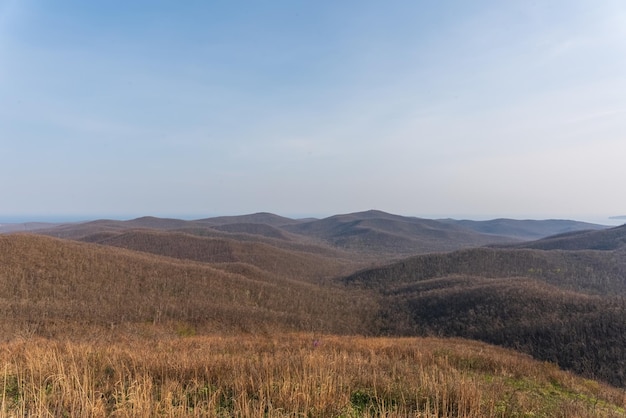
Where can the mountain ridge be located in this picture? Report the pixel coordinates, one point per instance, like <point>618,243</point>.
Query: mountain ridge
<point>566,304</point>
<point>372,231</point>
<point>360,273</point>
<point>603,240</point>
<point>525,229</point>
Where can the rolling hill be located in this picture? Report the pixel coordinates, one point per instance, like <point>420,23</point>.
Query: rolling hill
<point>567,307</point>
<point>605,240</point>
<point>25,226</point>
<point>593,272</point>
<point>372,233</point>
<point>83,230</point>
<point>560,299</point>
<point>254,218</point>
<point>49,285</point>
<point>524,229</point>
<point>299,262</point>
<point>377,232</point>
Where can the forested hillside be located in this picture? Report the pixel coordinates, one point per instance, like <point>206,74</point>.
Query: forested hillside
<point>568,307</point>
<point>48,285</point>
<point>267,274</point>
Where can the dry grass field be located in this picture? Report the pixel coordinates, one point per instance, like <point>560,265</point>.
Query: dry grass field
<point>287,375</point>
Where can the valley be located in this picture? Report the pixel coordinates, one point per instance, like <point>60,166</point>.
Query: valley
<point>337,305</point>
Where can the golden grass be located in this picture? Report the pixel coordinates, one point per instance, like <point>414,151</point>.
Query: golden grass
<point>288,375</point>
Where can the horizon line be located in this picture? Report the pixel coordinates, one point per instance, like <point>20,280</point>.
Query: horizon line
<point>57,219</point>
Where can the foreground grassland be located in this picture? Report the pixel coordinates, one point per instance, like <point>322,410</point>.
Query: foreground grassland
<point>287,375</point>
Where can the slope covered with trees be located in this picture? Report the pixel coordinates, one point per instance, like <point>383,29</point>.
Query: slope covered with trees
<point>48,284</point>
<point>560,299</point>
<point>563,306</point>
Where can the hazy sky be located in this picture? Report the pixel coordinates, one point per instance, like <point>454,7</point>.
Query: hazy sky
<point>426,108</point>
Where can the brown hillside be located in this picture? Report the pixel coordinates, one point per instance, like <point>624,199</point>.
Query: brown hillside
<point>384,234</point>
<point>102,230</point>
<point>526,230</point>
<point>583,333</point>
<point>47,283</point>
<point>372,234</point>
<point>293,264</point>
<point>600,272</point>
<point>255,229</point>
<point>525,299</point>
<point>603,240</point>
<point>80,231</point>
<point>255,218</point>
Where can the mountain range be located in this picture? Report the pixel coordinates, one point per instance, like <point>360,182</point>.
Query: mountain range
<point>373,232</point>
<point>560,298</point>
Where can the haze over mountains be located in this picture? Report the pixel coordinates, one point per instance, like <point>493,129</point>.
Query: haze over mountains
<point>525,229</point>
<point>560,298</point>
<point>370,231</point>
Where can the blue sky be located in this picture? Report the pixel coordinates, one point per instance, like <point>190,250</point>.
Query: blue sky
<point>424,108</point>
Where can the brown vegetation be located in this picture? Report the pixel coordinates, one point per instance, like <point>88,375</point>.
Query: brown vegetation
<point>559,306</point>
<point>608,239</point>
<point>385,235</point>
<point>526,230</point>
<point>46,283</point>
<point>297,263</point>
<point>289,375</point>
<point>96,328</point>
<point>596,272</point>
<point>374,233</point>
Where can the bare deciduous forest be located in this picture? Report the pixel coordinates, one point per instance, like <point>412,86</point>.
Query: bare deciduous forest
<point>367,314</point>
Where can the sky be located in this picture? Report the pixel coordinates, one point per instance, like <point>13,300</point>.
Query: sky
<point>466,109</point>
